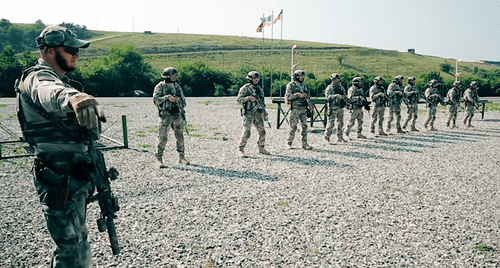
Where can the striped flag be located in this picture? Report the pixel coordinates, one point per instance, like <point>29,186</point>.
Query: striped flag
<point>259,29</point>
<point>279,16</point>
<point>267,21</point>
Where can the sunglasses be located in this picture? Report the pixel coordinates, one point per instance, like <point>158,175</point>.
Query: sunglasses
<point>71,50</point>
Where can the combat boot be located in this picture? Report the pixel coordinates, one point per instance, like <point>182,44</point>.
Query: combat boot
<point>340,139</point>
<point>306,146</point>
<point>290,147</point>
<point>413,128</point>
<point>361,136</point>
<point>262,150</point>
<point>469,125</point>
<point>400,130</point>
<point>382,133</point>
<point>159,161</point>
<point>433,128</point>
<point>183,160</point>
<point>327,139</point>
<point>242,152</point>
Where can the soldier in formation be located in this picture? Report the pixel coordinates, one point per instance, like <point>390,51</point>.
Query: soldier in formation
<point>297,96</point>
<point>51,113</point>
<point>452,101</point>
<point>336,98</point>
<point>378,99</point>
<point>251,97</point>
<point>433,98</point>
<point>170,101</point>
<point>411,100</point>
<point>470,99</point>
<point>395,95</point>
<point>356,97</point>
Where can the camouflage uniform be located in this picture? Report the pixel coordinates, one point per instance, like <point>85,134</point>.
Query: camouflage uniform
<point>357,98</point>
<point>452,101</point>
<point>254,113</point>
<point>411,100</point>
<point>395,94</point>
<point>378,100</point>
<point>298,109</point>
<point>433,98</point>
<point>470,98</point>
<point>170,116</point>
<point>61,166</point>
<point>336,98</point>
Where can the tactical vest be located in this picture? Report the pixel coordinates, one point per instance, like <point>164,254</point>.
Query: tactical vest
<point>53,129</point>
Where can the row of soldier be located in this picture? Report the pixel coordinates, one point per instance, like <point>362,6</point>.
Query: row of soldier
<point>52,114</point>
<point>170,100</point>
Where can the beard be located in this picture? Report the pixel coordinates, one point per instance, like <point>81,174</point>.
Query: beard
<point>62,63</point>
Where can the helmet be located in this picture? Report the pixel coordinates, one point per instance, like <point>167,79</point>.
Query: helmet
<point>433,81</point>
<point>474,83</point>
<point>411,79</point>
<point>298,73</point>
<point>167,72</point>
<point>457,84</point>
<point>398,78</point>
<point>357,79</point>
<point>334,76</point>
<point>251,75</point>
<point>378,78</point>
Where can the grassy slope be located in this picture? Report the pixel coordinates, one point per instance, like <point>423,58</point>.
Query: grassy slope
<point>232,52</point>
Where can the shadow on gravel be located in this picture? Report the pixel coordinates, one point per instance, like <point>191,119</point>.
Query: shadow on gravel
<point>430,139</point>
<point>491,120</point>
<point>227,173</point>
<point>387,148</point>
<point>402,143</point>
<point>309,161</point>
<point>353,154</point>
<point>490,130</point>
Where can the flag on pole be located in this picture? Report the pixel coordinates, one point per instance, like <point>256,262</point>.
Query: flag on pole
<point>259,29</point>
<point>267,21</point>
<point>279,16</point>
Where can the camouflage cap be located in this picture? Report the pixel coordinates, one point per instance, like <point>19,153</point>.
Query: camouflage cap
<point>53,36</point>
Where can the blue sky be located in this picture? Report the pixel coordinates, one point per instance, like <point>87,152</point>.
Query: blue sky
<point>468,30</point>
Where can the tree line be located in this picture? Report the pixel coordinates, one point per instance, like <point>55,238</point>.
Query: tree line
<point>125,69</point>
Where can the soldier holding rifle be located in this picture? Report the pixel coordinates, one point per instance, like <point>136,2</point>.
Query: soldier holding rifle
<point>251,97</point>
<point>336,98</point>
<point>52,113</point>
<point>170,101</point>
<point>297,96</point>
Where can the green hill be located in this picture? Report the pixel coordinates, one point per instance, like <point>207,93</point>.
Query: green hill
<point>230,53</point>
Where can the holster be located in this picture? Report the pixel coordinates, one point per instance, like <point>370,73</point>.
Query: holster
<point>57,193</point>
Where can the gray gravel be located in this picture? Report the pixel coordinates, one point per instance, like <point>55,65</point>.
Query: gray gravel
<point>426,199</point>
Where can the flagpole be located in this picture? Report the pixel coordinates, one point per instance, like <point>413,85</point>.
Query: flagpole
<point>262,80</point>
<point>281,50</point>
<point>272,47</point>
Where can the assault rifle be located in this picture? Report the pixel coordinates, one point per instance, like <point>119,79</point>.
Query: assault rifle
<point>183,114</point>
<point>260,106</point>
<point>101,180</point>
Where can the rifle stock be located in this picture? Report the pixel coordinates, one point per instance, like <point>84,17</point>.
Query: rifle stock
<point>101,181</point>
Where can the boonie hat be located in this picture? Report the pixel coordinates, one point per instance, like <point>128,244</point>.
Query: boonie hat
<point>53,36</point>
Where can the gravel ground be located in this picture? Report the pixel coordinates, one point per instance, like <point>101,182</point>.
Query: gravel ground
<point>425,199</point>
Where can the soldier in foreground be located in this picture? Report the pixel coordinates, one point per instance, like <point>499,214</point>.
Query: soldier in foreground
<point>357,99</point>
<point>336,97</point>
<point>51,113</point>
<point>433,98</point>
<point>452,100</point>
<point>251,97</point>
<point>470,98</point>
<point>297,96</point>
<point>411,101</point>
<point>395,95</point>
<point>170,101</point>
<point>378,99</point>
